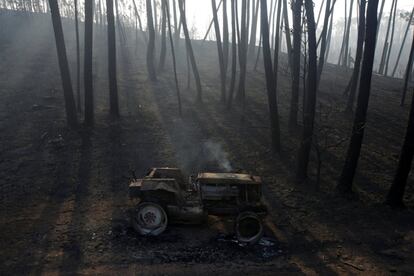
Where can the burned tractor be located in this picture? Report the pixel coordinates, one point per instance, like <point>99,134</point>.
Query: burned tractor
<point>165,196</point>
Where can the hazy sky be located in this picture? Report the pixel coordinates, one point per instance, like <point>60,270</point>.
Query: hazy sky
<point>199,12</point>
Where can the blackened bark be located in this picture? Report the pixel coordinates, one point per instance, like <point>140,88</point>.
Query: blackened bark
<point>309,113</point>
<point>78,95</point>
<point>396,193</point>
<point>407,73</point>
<point>151,43</point>
<point>391,39</point>
<point>177,87</point>
<point>163,52</point>
<point>63,64</point>
<point>358,58</point>
<point>113,85</point>
<point>241,91</point>
<point>270,80</point>
<point>297,41</point>
<point>324,34</point>
<point>190,50</point>
<point>220,52</point>
<point>225,37</point>
<point>252,44</point>
<point>88,76</point>
<point>403,42</point>
<point>354,149</point>
<point>385,48</point>
<point>233,54</point>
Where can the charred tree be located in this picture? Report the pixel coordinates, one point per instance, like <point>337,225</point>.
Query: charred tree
<point>220,52</point>
<point>311,89</point>
<point>225,37</point>
<point>345,56</point>
<point>277,41</point>
<point>287,33</point>
<point>113,85</point>
<point>396,193</point>
<point>88,76</point>
<point>233,54</point>
<point>391,39</point>
<point>403,42</point>
<point>353,84</point>
<point>177,87</point>
<point>151,43</point>
<point>241,91</point>
<point>70,108</point>
<point>324,34</point>
<point>354,148</point>
<point>163,52</point>
<point>297,41</point>
<point>252,43</point>
<point>190,50</point>
<point>270,80</point>
<point>78,95</point>
<point>386,43</point>
<point>407,73</point>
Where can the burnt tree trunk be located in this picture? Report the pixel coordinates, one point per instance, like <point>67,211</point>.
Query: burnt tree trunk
<point>407,72</point>
<point>391,39</point>
<point>88,76</point>
<point>151,43</point>
<point>309,113</point>
<point>233,54</point>
<point>70,108</point>
<point>78,95</point>
<point>270,80</point>
<point>385,48</point>
<point>324,40</point>
<point>220,52</point>
<point>163,52</point>
<point>403,42</point>
<point>241,91</point>
<point>396,193</point>
<point>113,85</point>
<point>177,87</point>
<point>225,37</point>
<point>357,66</point>
<point>297,41</point>
<point>354,148</point>
<point>190,51</point>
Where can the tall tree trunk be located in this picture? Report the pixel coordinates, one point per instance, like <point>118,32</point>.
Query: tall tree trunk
<point>252,44</point>
<point>385,48</point>
<point>190,51</point>
<point>151,43</point>
<point>88,76</point>
<point>177,87</point>
<point>324,34</point>
<point>407,72</point>
<point>113,86</point>
<point>70,108</point>
<point>328,47</point>
<point>309,114</point>
<point>354,149</point>
<point>242,54</point>
<point>360,45</point>
<point>233,54</point>
<point>139,22</point>
<point>392,38</point>
<point>220,52</point>
<point>161,63</point>
<point>225,37</point>
<point>287,34</point>
<point>270,80</point>
<point>78,98</point>
<point>403,42</point>
<point>277,41</point>
<point>345,61</point>
<point>396,193</point>
<point>297,41</point>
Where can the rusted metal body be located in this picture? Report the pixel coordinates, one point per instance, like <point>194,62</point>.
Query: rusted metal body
<point>167,197</point>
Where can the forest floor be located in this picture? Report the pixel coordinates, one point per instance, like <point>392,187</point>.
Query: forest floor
<point>64,193</point>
